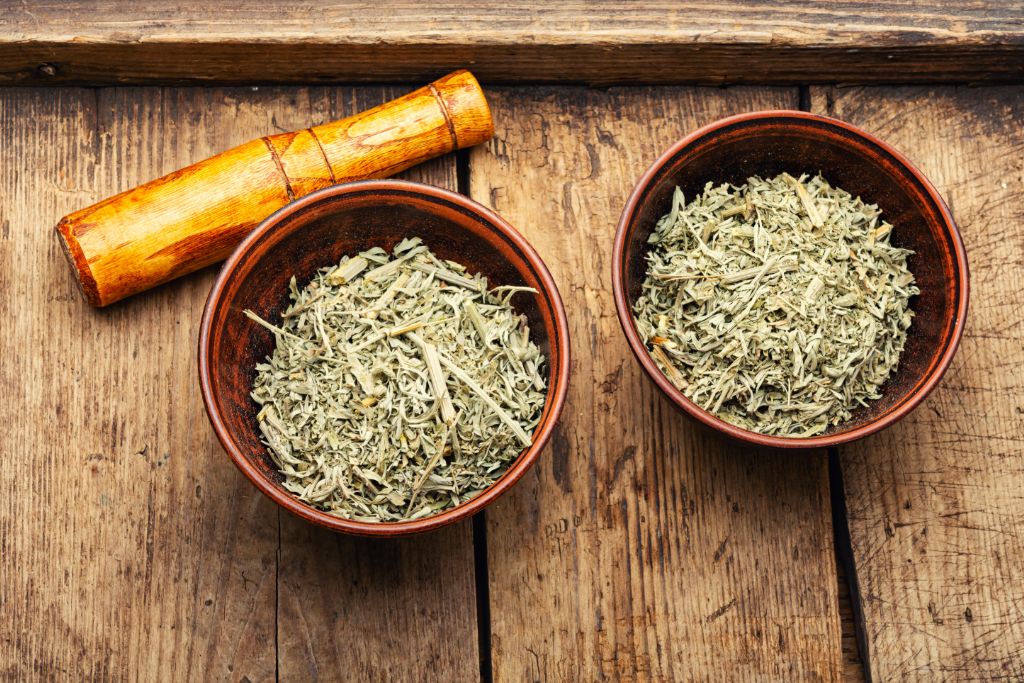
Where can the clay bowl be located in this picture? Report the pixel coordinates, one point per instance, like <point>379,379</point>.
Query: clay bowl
<point>318,230</point>
<point>770,142</point>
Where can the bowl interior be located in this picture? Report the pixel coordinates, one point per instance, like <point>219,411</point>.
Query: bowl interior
<point>317,231</point>
<point>769,145</point>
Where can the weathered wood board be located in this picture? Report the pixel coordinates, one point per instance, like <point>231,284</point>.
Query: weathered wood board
<point>640,547</point>
<point>130,544</point>
<point>717,41</point>
<point>936,503</point>
<point>132,547</point>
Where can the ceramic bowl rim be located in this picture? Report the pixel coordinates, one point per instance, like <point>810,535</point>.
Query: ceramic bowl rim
<point>520,466</point>
<point>622,307</point>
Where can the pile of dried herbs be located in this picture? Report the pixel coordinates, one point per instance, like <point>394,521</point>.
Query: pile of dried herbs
<point>779,306</point>
<point>400,386</point>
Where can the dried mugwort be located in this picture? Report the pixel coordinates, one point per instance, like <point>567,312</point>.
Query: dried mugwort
<point>780,305</point>
<point>400,386</point>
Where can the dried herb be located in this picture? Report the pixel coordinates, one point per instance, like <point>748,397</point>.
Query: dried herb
<point>399,386</point>
<point>779,305</point>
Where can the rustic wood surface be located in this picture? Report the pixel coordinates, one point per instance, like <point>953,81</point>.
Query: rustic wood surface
<point>638,548</point>
<point>651,549</point>
<point>936,504</point>
<point>717,41</point>
<point>129,544</point>
<point>132,547</point>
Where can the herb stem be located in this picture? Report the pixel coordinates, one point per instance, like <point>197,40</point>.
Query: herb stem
<point>468,381</point>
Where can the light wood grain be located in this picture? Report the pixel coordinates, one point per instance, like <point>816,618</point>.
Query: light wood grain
<point>131,546</point>
<point>935,504</point>
<point>640,548</point>
<point>130,543</point>
<point>714,41</point>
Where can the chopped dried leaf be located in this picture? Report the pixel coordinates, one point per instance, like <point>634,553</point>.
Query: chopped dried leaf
<point>780,305</point>
<point>399,386</point>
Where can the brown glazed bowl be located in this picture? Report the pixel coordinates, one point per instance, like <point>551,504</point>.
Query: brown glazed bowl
<point>766,144</point>
<point>316,231</point>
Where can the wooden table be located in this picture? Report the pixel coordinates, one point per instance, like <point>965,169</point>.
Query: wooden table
<point>639,548</point>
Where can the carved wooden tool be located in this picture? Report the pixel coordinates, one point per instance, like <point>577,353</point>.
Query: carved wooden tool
<point>194,217</point>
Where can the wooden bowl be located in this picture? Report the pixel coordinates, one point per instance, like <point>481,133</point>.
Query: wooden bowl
<point>766,144</point>
<point>316,231</point>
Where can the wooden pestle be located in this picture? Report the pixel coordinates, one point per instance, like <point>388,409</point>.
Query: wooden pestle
<point>194,217</point>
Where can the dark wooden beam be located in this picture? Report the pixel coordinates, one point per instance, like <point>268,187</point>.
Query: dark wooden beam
<point>714,42</point>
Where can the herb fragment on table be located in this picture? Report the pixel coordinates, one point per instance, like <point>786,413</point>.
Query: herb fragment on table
<point>780,305</point>
<point>400,386</point>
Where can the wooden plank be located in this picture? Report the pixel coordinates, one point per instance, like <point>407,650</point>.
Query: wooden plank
<point>640,547</point>
<point>372,609</point>
<point>131,546</point>
<point>935,504</point>
<point>717,41</point>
